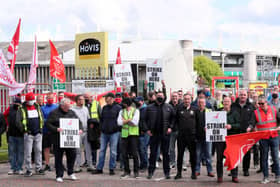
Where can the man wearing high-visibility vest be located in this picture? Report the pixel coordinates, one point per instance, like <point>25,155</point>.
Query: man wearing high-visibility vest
<point>94,109</point>
<point>30,120</point>
<point>129,118</point>
<point>266,119</point>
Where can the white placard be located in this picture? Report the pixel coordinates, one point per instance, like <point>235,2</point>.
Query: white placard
<point>32,113</point>
<point>69,137</point>
<point>216,126</point>
<point>154,72</point>
<point>123,75</point>
<point>93,86</point>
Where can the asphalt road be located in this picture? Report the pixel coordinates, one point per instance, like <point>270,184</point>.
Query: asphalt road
<point>88,180</point>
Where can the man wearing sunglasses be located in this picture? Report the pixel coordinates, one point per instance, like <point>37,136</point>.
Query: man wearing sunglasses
<point>266,119</point>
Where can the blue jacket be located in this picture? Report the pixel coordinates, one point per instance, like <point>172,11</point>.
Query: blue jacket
<point>47,109</point>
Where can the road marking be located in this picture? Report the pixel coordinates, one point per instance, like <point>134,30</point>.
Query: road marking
<point>162,178</point>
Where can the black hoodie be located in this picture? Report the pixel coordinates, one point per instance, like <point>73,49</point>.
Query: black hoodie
<point>246,114</point>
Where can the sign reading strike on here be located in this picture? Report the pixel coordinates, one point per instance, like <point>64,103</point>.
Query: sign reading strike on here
<point>216,126</point>
<point>123,75</point>
<point>69,137</point>
<point>154,72</point>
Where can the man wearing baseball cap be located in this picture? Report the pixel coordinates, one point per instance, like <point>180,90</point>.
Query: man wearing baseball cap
<point>30,121</point>
<point>109,133</point>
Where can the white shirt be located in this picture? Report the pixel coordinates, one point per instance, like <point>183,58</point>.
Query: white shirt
<point>134,121</point>
<point>83,115</point>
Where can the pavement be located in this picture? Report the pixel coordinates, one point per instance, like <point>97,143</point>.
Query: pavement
<point>105,180</point>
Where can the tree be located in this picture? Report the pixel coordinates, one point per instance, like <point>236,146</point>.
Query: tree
<point>207,68</point>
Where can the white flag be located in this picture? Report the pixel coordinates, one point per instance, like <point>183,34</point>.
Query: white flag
<point>7,78</point>
<point>33,67</point>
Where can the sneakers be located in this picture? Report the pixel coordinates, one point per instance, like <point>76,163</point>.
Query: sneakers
<point>78,170</point>
<point>136,175</point>
<point>40,172</point>
<point>111,172</point>
<point>125,175</point>
<point>11,172</point>
<point>277,180</point>
<point>220,180</point>
<point>90,169</point>
<point>59,179</point>
<point>167,176</point>
<point>20,172</point>
<point>73,177</point>
<point>150,176</point>
<point>265,181</point>
<point>28,173</point>
<point>235,179</point>
<point>246,173</point>
<point>178,176</point>
<point>193,177</point>
<point>210,174</point>
<point>47,168</point>
<point>97,171</point>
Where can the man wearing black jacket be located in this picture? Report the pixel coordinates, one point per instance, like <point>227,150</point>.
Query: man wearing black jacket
<point>160,118</point>
<point>186,125</point>
<point>109,134</point>
<point>246,111</point>
<point>63,111</point>
<point>143,136</point>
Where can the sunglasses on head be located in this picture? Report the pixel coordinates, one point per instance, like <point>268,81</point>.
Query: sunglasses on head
<point>261,103</point>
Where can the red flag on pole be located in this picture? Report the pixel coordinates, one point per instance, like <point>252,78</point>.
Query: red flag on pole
<point>56,65</point>
<point>119,61</point>
<point>238,145</point>
<point>13,47</point>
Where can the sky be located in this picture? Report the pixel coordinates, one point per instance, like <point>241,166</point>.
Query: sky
<point>237,25</point>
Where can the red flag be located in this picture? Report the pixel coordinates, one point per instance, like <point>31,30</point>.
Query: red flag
<point>13,47</point>
<point>119,61</point>
<point>56,65</point>
<point>238,145</point>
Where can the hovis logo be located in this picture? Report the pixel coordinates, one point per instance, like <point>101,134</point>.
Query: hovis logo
<point>89,49</point>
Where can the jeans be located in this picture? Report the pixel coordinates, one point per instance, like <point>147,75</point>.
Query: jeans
<point>204,149</point>
<point>16,153</point>
<point>112,140</point>
<point>173,138</point>
<point>273,144</point>
<point>143,150</point>
<point>87,147</point>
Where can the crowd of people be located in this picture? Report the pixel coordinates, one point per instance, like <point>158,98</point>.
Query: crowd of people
<point>143,128</point>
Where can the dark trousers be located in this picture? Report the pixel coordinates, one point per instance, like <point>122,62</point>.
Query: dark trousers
<point>246,161</point>
<point>130,145</point>
<point>220,148</point>
<point>184,142</point>
<point>70,156</point>
<point>162,140</point>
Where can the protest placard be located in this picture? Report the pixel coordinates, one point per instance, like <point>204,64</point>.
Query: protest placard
<point>69,137</point>
<point>123,75</point>
<point>216,126</point>
<point>154,72</point>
